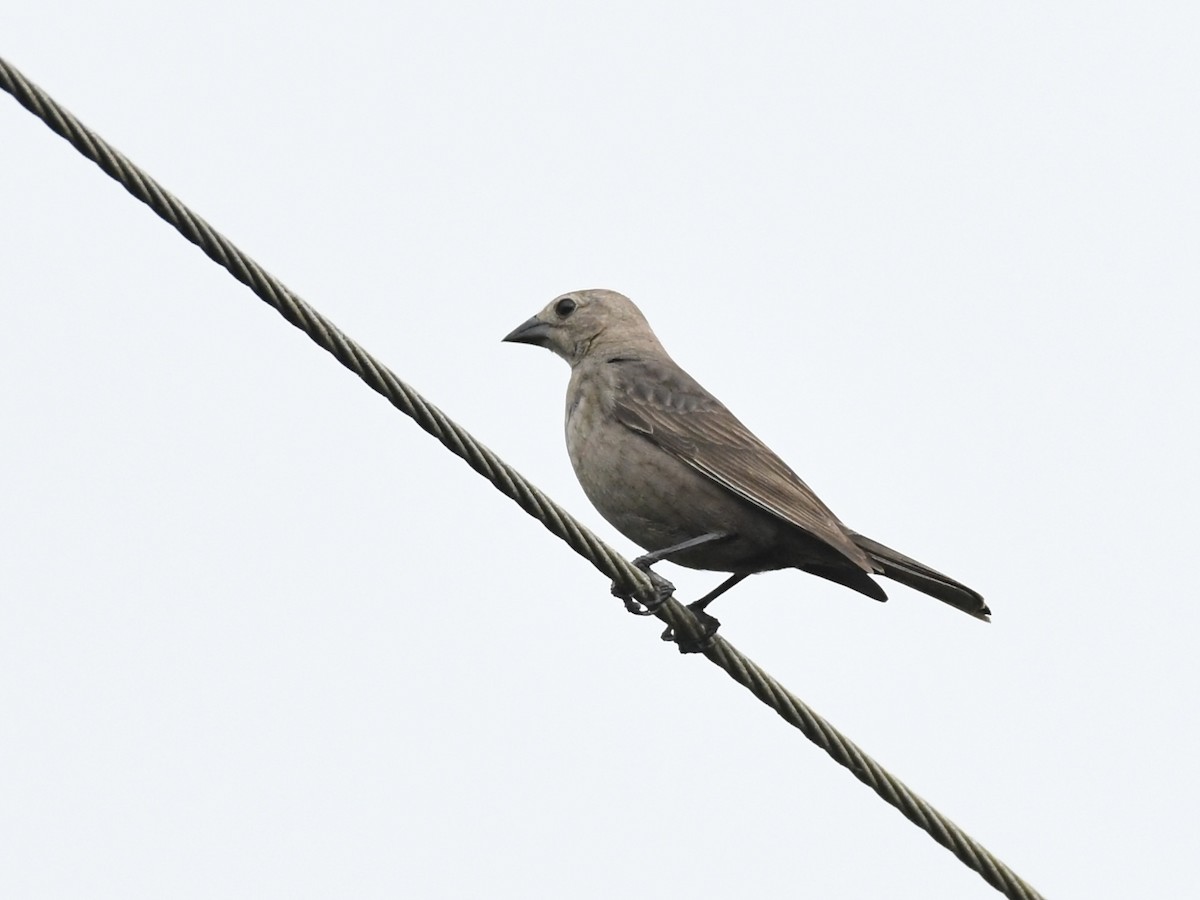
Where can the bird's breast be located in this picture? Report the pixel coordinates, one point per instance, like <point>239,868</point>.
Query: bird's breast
<point>650,495</point>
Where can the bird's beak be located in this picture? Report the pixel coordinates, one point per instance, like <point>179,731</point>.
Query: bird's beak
<point>535,331</point>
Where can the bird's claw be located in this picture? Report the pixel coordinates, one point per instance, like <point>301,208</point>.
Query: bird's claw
<point>708,623</point>
<point>663,590</point>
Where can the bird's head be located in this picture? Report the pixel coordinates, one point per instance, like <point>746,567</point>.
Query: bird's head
<point>585,323</point>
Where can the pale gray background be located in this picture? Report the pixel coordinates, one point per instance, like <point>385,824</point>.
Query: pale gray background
<point>262,637</point>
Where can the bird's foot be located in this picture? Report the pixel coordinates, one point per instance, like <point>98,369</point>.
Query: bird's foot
<point>663,590</point>
<point>708,623</point>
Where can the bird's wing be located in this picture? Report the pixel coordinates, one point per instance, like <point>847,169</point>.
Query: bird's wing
<point>662,402</point>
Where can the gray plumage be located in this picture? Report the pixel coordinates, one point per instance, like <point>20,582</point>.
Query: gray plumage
<point>665,462</point>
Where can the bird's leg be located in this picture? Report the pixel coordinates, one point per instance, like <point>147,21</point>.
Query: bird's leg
<point>698,606</point>
<point>644,562</point>
<point>663,588</point>
<point>710,623</point>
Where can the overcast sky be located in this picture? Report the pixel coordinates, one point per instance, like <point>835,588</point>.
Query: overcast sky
<point>260,636</point>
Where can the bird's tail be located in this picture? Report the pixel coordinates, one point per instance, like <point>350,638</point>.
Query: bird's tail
<point>908,571</point>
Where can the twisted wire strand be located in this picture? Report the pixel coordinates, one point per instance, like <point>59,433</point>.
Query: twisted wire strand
<point>845,752</point>
<point>511,483</point>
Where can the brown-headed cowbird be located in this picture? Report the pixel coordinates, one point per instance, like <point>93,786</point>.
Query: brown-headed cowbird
<point>676,472</point>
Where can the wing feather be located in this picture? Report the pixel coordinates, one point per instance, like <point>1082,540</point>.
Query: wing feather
<point>661,401</point>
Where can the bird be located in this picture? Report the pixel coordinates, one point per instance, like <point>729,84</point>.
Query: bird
<point>671,468</point>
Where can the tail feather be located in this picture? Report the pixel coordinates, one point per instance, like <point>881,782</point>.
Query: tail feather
<point>918,576</point>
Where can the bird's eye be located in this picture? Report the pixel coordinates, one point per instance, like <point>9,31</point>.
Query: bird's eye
<point>564,307</point>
